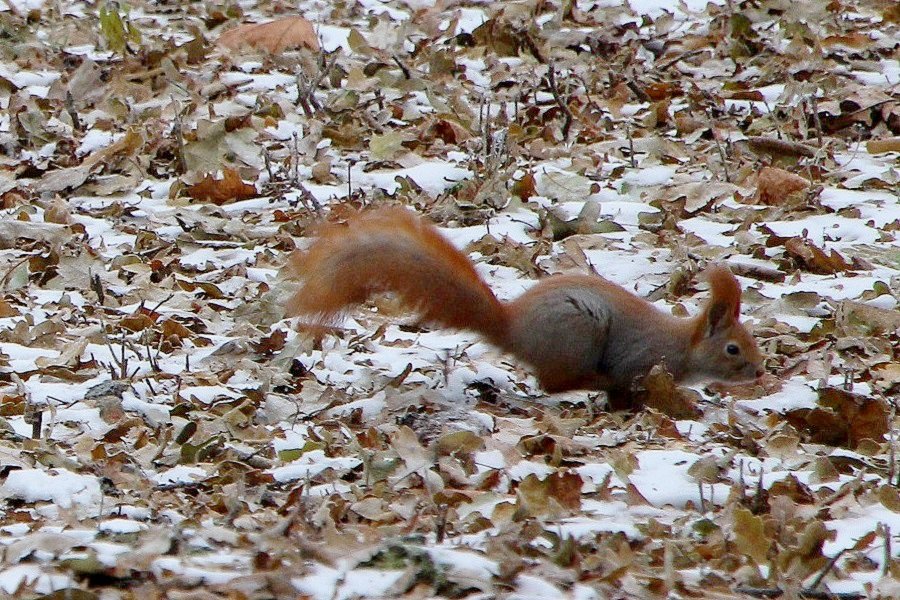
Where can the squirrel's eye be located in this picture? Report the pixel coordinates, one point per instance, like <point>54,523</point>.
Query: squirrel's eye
<point>732,349</point>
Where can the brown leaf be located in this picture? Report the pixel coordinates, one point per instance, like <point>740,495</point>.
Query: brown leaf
<point>843,419</point>
<point>136,322</point>
<point>222,191</point>
<point>885,145</point>
<point>891,13</point>
<point>814,259</point>
<point>752,95</point>
<point>458,442</point>
<point>866,318</point>
<point>773,185</point>
<point>886,376</point>
<point>7,309</point>
<point>750,536</point>
<point>804,556</point>
<point>780,148</point>
<point>565,488</point>
<point>273,36</point>
<point>661,393</point>
<point>271,343</point>
<point>889,497</point>
<point>558,492</point>
<point>706,470</point>
<point>210,289</point>
<point>867,417</point>
<point>791,487</point>
<point>499,36</point>
<point>524,188</point>
<point>853,40</point>
<point>73,177</point>
<point>662,91</point>
<point>171,327</point>
<point>58,212</point>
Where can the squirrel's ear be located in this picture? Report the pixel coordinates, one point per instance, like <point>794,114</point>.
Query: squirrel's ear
<point>724,305</point>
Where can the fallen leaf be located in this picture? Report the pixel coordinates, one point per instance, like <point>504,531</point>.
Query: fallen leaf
<point>843,418</point>
<point>273,36</point>
<point>222,191</point>
<point>7,309</point>
<point>270,344</point>
<point>885,145</point>
<point>661,393</point>
<point>780,148</point>
<point>557,493</point>
<point>774,185</point>
<point>815,259</point>
<point>750,536</point>
<point>72,177</point>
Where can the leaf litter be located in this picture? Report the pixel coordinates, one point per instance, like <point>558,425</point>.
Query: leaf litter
<point>166,431</point>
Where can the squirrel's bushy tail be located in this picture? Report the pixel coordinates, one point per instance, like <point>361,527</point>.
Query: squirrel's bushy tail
<point>392,250</point>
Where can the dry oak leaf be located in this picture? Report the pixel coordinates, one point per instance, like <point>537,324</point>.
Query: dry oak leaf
<point>221,191</point>
<point>750,536</point>
<point>815,259</point>
<point>72,177</point>
<point>885,145</point>
<point>273,36</point>
<point>773,185</point>
<point>7,309</point>
<point>777,148</point>
<point>842,419</point>
<point>556,494</point>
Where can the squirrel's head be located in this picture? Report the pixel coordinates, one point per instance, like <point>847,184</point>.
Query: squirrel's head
<point>722,348</point>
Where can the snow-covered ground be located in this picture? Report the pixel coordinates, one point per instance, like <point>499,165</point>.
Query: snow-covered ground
<point>165,427</point>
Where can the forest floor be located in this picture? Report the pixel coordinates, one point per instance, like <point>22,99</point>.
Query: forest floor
<point>165,431</point>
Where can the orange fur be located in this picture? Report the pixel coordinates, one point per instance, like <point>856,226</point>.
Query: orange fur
<point>393,250</point>
<point>576,331</point>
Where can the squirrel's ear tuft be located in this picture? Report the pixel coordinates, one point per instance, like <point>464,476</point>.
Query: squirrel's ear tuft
<point>722,310</point>
<point>724,288</point>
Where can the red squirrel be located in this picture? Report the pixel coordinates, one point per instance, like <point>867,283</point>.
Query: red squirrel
<point>575,331</point>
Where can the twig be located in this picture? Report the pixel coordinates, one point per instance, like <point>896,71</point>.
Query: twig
<point>308,200</point>
<point>73,114</point>
<point>563,106</point>
<point>779,148</point>
<point>161,302</point>
<point>295,160</point>
<point>404,68</point>
<point>630,145</point>
<point>804,593</point>
<point>306,87</point>
<point>484,114</point>
<point>826,569</point>
<point>268,162</point>
<point>722,155</point>
<point>816,121</point>
<point>637,91</point>
<point>303,93</point>
<point>665,65</point>
<point>180,163</point>
<point>8,275</point>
